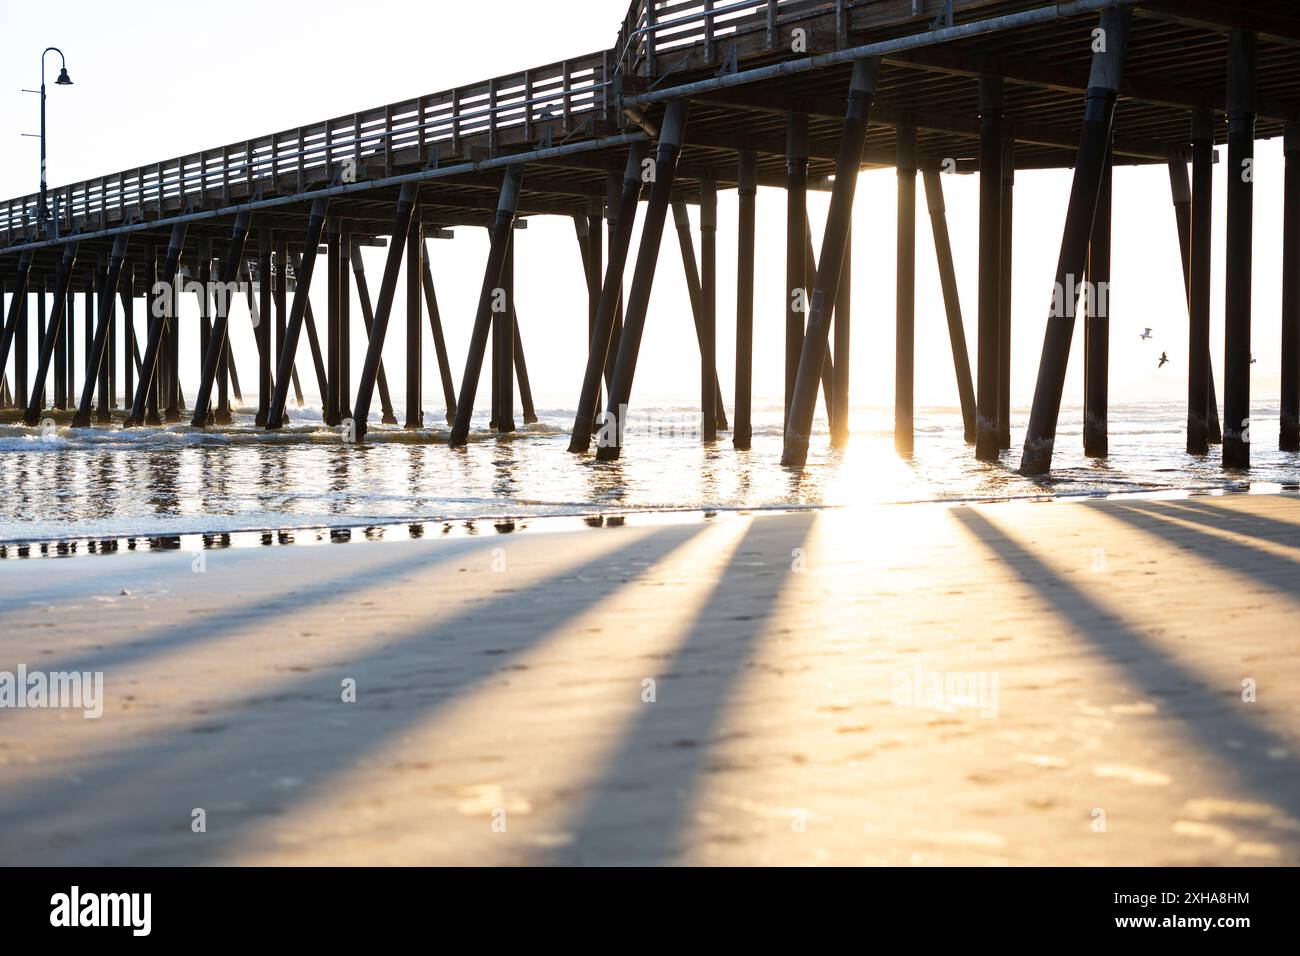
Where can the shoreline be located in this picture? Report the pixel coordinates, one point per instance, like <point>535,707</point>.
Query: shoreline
<point>377,532</point>
<point>990,684</point>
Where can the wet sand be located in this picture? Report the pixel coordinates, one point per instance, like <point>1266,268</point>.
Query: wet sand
<point>1016,683</point>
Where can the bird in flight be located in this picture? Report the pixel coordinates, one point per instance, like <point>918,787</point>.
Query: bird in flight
<point>1164,359</point>
<point>1146,334</point>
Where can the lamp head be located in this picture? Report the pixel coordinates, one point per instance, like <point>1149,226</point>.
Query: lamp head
<point>64,79</point>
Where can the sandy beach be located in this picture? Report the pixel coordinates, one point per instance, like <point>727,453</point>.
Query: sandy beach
<point>1012,683</point>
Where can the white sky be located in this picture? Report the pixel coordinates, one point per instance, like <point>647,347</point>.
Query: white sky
<point>156,80</point>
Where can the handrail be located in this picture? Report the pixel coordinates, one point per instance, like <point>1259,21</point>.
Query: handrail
<point>568,91</point>
<point>645,35</point>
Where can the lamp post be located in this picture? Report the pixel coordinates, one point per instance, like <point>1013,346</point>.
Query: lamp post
<point>43,211</point>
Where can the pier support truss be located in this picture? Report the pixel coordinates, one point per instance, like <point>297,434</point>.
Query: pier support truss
<point>984,91</point>
<point>813,353</point>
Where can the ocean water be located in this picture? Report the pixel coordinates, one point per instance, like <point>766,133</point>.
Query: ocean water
<point>111,483</point>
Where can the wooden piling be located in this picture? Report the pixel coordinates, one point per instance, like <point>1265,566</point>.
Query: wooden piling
<point>1290,423</point>
<point>905,294</point>
<point>265,291</point>
<point>1004,289</point>
<point>796,238</point>
<point>990,268</point>
<point>1096,353</point>
<point>1241,100</point>
<point>127,295</point>
<point>747,190</point>
<point>503,342</point>
<point>333,400</point>
<point>341,256</point>
<point>414,325</point>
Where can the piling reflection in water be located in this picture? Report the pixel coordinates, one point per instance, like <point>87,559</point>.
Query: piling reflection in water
<point>163,483</point>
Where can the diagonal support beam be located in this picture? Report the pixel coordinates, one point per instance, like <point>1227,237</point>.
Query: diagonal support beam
<point>812,357</point>
<point>838,409</point>
<point>387,290</point>
<point>638,300</point>
<point>297,313</point>
<point>1098,119</point>
<point>682,221</point>
<point>828,366</point>
<point>228,362</point>
<point>218,339</point>
<point>1194,220</point>
<point>368,319</point>
<point>503,225</point>
<point>160,314</point>
<point>611,294</point>
<point>313,342</point>
<point>439,342</point>
<point>104,313</point>
<point>521,372</point>
<point>18,296</point>
<point>951,299</point>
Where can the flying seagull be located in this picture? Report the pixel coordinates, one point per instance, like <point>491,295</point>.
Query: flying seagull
<point>1146,334</point>
<point>1164,358</point>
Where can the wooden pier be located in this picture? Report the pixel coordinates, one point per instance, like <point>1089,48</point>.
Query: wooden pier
<point>693,97</point>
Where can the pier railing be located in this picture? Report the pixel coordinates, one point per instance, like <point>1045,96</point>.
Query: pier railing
<point>657,33</point>
<point>658,37</point>
<point>519,108</point>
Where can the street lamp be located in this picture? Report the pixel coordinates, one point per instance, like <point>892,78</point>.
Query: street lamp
<point>43,211</point>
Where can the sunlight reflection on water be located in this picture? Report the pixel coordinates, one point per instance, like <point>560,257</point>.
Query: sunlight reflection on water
<point>169,481</point>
